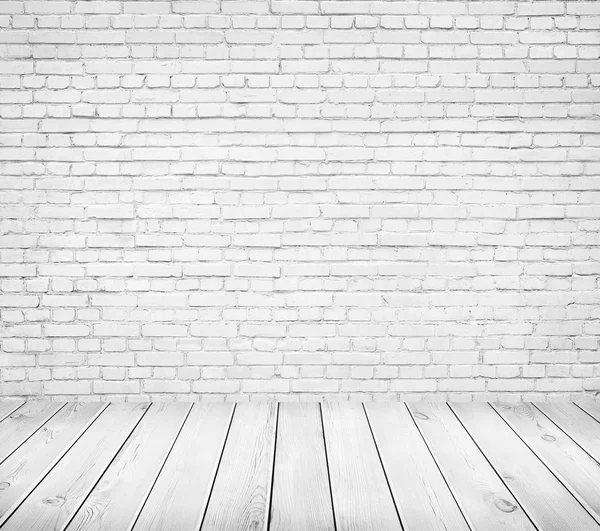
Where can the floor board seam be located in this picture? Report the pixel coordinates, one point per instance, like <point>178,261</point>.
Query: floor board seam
<point>100,476</point>
<point>6,516</point>
<point>583,408</point>
<point>470,524</point>
<point>9,413</point>
<point>554,472</point>
<point>208,498</point>
<point>387,480</point>
<point>33,433</point>
<point>533,523</point>
<point>272,482</point>
<point>566,432</point>
<point>327,465</point>
<point>160,468</point>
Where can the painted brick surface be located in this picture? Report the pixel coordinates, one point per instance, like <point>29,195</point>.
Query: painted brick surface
<point>299,199</point>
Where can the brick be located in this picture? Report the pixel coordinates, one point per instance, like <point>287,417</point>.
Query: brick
<point>166,386</point>
<point>257,270</point>
<point>164,330</point>
<point>19,301</point>
<point>22,388</point>
<point>213,330</point>
<point>62,301</point>
<point>116,387</point>
<point>17,360</point>
<point>116,330</point>
<point>17,270</point>
<point>66,330</point>
<point>210,358</point>
<point>67,387</point>
<point>266,386</point>
<point>215,386</point>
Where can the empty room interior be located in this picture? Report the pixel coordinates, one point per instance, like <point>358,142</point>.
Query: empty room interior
<point>299,265</point>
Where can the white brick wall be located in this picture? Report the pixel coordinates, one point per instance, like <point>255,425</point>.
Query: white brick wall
<point>299,199</point>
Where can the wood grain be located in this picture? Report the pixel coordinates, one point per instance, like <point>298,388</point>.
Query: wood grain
<point>485,501</point>
<point>177,467</point>
<point>301,495</point>
<point>60,494</point>
<point>577,424</point>
<point>20,472</point>
<point>574,467</point>
<point>591,407</point>
<point>118,497</point>
<point>23,423</point>
<point>242,488</point>
<point>545,499</point>
<point>422,497</point>
<point>179,498</point>
<point>361,496</point>
<point>7,407</point>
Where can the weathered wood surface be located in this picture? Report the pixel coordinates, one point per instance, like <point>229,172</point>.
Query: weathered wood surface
<point>29,463</point>
<point>591,407</point>
<point>301,496</point>
<point>8,406</point>
<point>486,502</point>
<point>572,465</point>
<point>180,495</point>
<point>545,499</point>
<point>361,497</point>
<point>292,467</point>
<point>22,423</point>
<point>577,424</point>
<point>423,499</point>
<point>116,500</point>
<point>242,489</point>
<point>57,498</point>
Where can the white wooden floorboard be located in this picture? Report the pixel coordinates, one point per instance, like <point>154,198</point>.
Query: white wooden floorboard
<point>591,407</point>
<point>29,463</point>
<point>575,468</point>
<point>180,495</point>
<point>299,467</point>
<point>301,497</point>
<point>361,496</point>
<point>422,497</point>
<point>53,503</point>
<point>9,406</point>
<point>543,497</point>
<point>486,502</point>
<point>578,424</point>
<point>17,427</point>
<point>116,500</point>
<point>241,493</point>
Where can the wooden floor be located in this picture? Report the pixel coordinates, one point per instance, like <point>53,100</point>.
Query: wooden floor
<point>179,467</point>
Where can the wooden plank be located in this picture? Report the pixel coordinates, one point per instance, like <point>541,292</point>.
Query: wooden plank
<point>301,497</point>
<point>60,494</point>
<point>591,407</point>
<point>574,467</point>
<point>545,499</point>
<point>485,501</point>
<point>576,423</point>
<point>20,473</point>
<point>242,488</point>
<point>23,423</point>
<point>422,497</point>
<point>178,499</point>
<point>361,496</point>
<point>7,407</point>
<point>118,497</point>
